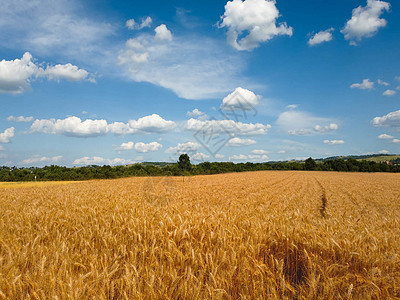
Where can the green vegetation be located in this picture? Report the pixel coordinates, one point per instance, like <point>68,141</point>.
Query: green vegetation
<point>175,169</point>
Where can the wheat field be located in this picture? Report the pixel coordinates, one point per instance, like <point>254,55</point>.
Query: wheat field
<point>256,235</point>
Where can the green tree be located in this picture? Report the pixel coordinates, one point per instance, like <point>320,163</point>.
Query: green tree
<point>184,162</point>
<point>310,164</point>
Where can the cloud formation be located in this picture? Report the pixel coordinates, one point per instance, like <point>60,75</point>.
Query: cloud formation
<point>7,135</point>
<point>150,147</point>
<point>255,19</point>
<point>163,33</point>
<point>321,37</point>
<point>16,75</point>
<point>385,136</point>
<point>20,119</point>
<point>132,25</point>
<point>228,126</point>
<point>365,21</point>
<point>240,99</point>
<point>237,142</point>
<point>41,159</point>
<point>187,147</point>
<point>334,142</point>
<point>75,127</point>
<point>389,93</point>
<point>366,84</point>
<point>97,160</point>
<point>391,120</point>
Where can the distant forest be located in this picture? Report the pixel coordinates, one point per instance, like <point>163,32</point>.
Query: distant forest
<point>184,167</point>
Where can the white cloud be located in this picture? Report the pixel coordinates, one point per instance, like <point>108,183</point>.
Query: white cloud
<point>282,151</point>
<point>240,99</point>
<point>193,67</point>
<point>383,152</point>
<point>132,25</point>
<point>365,85</point>
<point>97,160</point>
<point>381,82</point>
<point>150,147</point>
<point>396,141</point>
<point>237,142</point>
<point>150,124</point>
<point>260,152</point>
<point>39,159</point>
<point>385,136</point>
<point>292,106</point>
<point>16,75</point>
<point>219,156</point>
<point>126,146</point>
<point>68,72</point>
<point>228,127</point>
<point>20,119</point>
<point>327,128</point>
<point>392,119</point>
<point>365,21</point>
<point>200,156</point>
<point>321,37</point>
<point>163,33</point>
<point>7,135</point>
<point>184,148</point>
<point>334,142</point>
<point>195,113</point>
<point>257,18</point>
<point>303,123</point>
<point>389,93</point>
<point>71,126</point>
<point>74,126</point>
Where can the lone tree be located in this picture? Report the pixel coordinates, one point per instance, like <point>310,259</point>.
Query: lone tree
<point>184,162</point>
<point>310,164</point>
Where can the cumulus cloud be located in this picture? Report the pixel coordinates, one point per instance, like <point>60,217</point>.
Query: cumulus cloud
<point>228,126</point>
<point>184,148</point>
<point>74,126</point>
<point>237,142</point>
<point>365,21</point>
<point>219,156</point>
<point>389,93</point>
<point>303,123</point>
<point>365,85</point>
<point>7,135</point>
<point>20,119</point>
<point>16,75</point>
<point>385,136</point>
<point>327,128</point>
<point>334,142</point>
<point>193,67</point>
<point>71,126</point>
<point>396,141</point>
<point>163,33</point>
<point>255,19</point>
<point>381,82</point>
<point>41,159</point>
<point>383,152</point>
<point>126,146</point>
<point>260,152</point>
<point>132,25</point>
<point>150,147</point>
<point>240,99</point>
<point>68,72</point>
<point>196,113</point>
<point>200,156</point>
<point>97,160</point>
<point>391,120</point>
<point>321,37</point>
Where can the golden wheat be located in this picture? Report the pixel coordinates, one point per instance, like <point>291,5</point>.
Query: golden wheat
<point>258,235</point>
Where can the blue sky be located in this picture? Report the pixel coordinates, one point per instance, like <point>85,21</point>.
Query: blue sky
<point>118,82</point>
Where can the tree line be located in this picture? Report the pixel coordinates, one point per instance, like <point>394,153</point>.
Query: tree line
<point>184,167</point>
